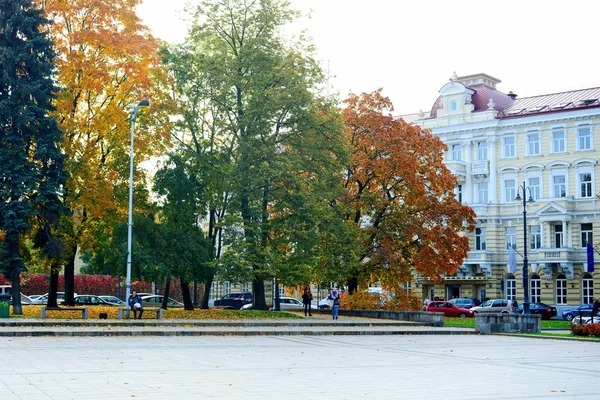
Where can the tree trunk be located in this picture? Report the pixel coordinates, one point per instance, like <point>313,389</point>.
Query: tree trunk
<point>206,295</point>
<point>166,293</point>
<point>187,299</point>
<point>16,290</point>
<point>258,295</point>
<point>70,279</point>
<point>353,284</point>
<point>276,302</point>
<point>53,286</point>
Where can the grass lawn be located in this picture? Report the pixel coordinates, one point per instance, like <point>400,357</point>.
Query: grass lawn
<point>470,323</point>
<point>33,311</point>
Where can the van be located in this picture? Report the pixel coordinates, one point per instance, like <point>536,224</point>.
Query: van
<point>496,306</point>
<point>7,289</point>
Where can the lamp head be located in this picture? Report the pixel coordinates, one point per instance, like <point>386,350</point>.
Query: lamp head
<point>144,103</point>
<point>530,199</point>
<point>518,198</point>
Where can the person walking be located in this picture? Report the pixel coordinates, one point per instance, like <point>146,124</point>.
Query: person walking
<point>335,296</point>
<point>595,308</point>
<point>135,302</point>
<point>307,301</point>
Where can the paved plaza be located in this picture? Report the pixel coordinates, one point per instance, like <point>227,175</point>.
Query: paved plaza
<point>308,367</point>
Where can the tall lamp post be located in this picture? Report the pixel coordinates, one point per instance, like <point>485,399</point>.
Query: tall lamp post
<point>142,103</point>
<point>525,260</point>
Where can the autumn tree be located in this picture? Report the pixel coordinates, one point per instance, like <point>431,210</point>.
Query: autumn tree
<point>272,146</point>
<point>401,195</point>
<point>31,173</point>
<point>107,61</point>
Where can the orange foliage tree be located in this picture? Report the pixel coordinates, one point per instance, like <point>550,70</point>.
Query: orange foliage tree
<point>107,61</point>
<point>401,196</point>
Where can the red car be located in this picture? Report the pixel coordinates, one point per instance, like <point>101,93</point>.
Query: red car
<point>449,309</point>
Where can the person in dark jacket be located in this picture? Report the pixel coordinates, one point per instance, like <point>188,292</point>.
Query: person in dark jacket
<point>335,296</point>
<point>307,301</point>
<point>135,302</point>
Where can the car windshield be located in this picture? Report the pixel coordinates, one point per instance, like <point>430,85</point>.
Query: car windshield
<point>487,303</point>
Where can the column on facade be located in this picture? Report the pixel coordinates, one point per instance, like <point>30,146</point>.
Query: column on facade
<point>570,236</point>
<point>543,234</point>
<point>468,192</point>
<point>564,229</point>
<point>493,197</point>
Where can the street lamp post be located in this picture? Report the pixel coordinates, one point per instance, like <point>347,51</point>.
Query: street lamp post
<point>142,103</point>
<point>525,260</point>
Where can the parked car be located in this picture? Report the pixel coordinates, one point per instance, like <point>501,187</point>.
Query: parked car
<point>325,303</point>
<point>7,289</point>
<point>465,302</point>
<point>156,301</point>
<point>43,299</point>
<point>586,320</point>
<point>584,310</point>
<point>496,306</point>
<point>35,296</point>
<point>449,309</point>
<point>234,300</point>
<point>289,304</point>
<point>542,309</point>
<point>113,300</point>
<point>90,300</point>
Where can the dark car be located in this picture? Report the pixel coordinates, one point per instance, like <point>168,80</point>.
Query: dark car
<point>542,309</point>
<point>449,309</point>
<point>465,302</point>
<point>234,300</point>
<point>584,310</point>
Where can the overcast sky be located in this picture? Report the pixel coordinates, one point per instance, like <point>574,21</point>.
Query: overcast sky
<point>411,48</point>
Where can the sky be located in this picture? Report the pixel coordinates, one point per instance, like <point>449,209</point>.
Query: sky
<point>412,48</point>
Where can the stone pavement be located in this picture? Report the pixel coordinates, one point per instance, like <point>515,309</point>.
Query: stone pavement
<point>307,367</point>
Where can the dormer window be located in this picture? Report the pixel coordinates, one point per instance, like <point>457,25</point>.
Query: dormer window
<point>453,106</point>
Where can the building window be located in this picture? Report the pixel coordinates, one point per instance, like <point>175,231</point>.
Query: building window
<point>211,294</point>
<point>482,153</point>
<point>584,138</point>
<point>456,152</point>
<point>479,238</point>
<point>459,193</point>
<point>534,187</point>
<point>585,185</point>
<point>482,192</point>
<point>536,289</point>
<point>587,289</point>
<point>509,190</point>
<point>245,287</point>
<point>509,147</point>
<point>559,187</point>
<point>558,236</point>
<point>511,237</point>
<point>558,142</point>
<point>227,287</point>
<point>511,287</point>
<point>281,290</point>
<point>561,289</point>
<point>453,106</point>
<point>535,237</point>
<point>533,144</point>
<point>587,234</point>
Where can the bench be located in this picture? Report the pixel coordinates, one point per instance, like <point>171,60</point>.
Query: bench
<point>127,310</point>
<point>84,311</point>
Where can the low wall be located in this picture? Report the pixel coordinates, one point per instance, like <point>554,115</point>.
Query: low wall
<point>507,323</point>
<point>428,318</point>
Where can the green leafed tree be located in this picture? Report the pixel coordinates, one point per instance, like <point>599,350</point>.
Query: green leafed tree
<point>268,148</point>
<point>31,173</point>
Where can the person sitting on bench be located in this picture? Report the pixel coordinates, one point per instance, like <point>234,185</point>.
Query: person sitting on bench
<point>135,302</point>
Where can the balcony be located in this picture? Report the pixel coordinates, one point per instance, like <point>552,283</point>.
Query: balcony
<point>553,255</point>
<point>480,169</point>
<point>458,168</point>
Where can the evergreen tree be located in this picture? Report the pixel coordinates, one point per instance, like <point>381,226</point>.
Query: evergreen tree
<point>32,165</point>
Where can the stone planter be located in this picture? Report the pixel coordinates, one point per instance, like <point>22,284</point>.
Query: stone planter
<point>508,323</point>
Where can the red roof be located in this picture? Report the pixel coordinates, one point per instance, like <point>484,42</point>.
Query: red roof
<point>555,102</point>
<point>480,99</point>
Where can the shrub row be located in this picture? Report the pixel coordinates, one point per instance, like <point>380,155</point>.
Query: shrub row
<point>586,330</point>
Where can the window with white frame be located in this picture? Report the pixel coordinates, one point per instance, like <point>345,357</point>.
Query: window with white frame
<point>245,287</point>
<point>211,293</point>
<point>227,287</point>
<point>559,186</point>
<point>509,147</point>
<point>584,137</point>
<point>587,289</point>
<point>510,190</point>
<point>587,234</point>
<point>482,151</point>
<point>458,192</point>
<point>482,192</point>
<point>456,154</point>
<point>558,236</point>
<point>558,141</point>
<point>511,236</point>
<point>585,185</point>
<point>561,289</point>
<point>535,187</point>
<point>536,289</point>
<point>533,144</point>
<point>281,290</point>
<point>535,237</point>
<point>479,238</point>
<point>511,287</point>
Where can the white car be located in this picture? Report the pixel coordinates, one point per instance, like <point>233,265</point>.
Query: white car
<point>285,304</point>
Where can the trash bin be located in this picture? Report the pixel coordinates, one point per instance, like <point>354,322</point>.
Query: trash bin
<point>4,305</point>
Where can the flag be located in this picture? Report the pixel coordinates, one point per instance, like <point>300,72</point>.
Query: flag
<point>512,259</point>
<point>590,258</point>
